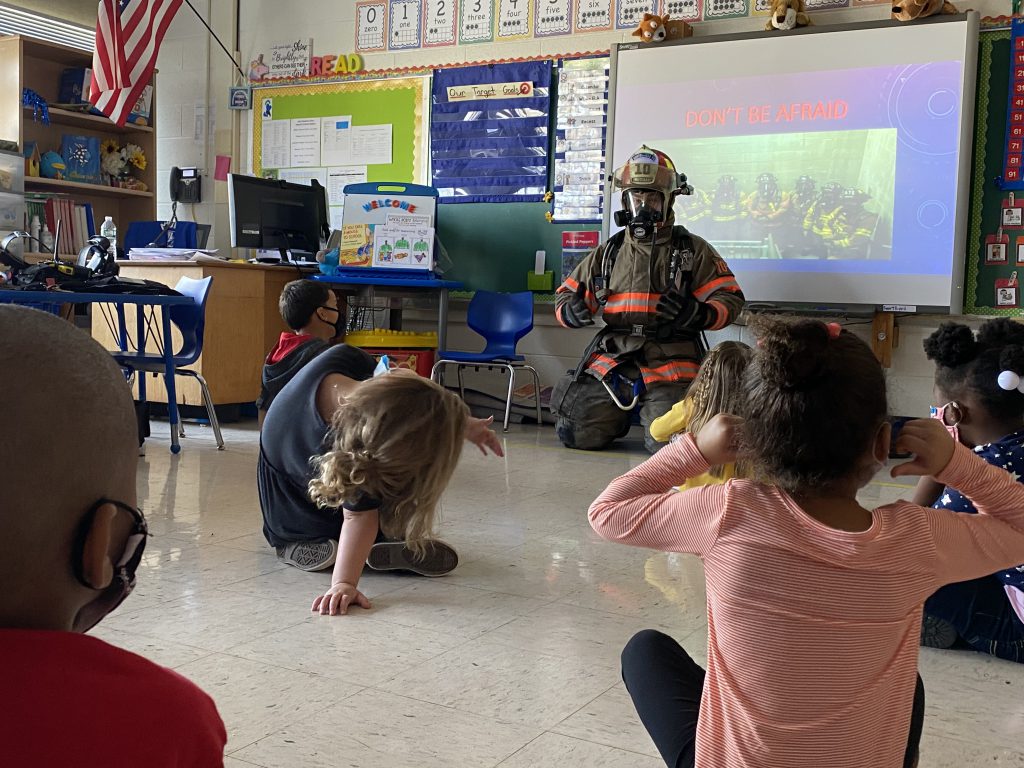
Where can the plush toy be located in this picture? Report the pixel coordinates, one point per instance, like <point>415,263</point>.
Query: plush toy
<point>658,29</point>
<point>52,166</point>
<point>908,10</point>
<point>788,14</point>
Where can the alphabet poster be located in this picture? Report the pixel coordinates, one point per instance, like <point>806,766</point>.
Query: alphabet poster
<point>439,18</point>
<point>476,21</point>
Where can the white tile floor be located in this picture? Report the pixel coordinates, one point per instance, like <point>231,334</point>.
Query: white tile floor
<point>511,660</point>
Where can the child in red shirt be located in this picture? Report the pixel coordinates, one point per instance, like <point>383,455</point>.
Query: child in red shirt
<point>71,538</point>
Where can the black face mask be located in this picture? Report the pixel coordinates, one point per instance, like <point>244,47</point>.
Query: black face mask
<point>339,322</point>
<point>643,225</point>
<point>123,583</point>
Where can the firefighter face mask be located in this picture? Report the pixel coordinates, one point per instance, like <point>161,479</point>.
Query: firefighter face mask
<point>643,210</point>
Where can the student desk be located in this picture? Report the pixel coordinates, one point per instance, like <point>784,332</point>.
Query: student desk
<point>401,285</point>
<point>50,301</point>
<point>243,324</point>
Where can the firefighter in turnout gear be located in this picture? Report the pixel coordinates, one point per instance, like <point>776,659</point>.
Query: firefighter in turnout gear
<point>768,206</point>
<point>854,227</point>
<point>656,287</point>
<point>821,217</point>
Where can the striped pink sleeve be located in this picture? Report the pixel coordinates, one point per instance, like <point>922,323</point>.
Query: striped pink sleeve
<point>972,546</point>
<point>642,508</point>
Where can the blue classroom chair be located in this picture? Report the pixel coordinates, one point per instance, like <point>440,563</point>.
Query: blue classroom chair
<point>502,319</point>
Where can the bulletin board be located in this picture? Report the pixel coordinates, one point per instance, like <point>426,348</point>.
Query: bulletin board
<point>987,199</point>
<point>341,133</point>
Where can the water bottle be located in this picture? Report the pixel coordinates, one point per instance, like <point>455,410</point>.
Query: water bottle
<point>108,229</point>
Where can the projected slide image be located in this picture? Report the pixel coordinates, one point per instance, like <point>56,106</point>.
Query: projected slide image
<point>814,195</point>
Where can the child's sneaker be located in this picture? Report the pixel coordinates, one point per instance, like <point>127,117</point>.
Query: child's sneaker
<point>937,633</point>
<point>438,558</point>
<point>310,555</point>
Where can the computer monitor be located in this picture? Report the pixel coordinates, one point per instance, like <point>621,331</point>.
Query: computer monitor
<point>269,213</point>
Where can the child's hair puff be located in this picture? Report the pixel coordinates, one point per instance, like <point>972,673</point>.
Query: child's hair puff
<point>813,403</point>
<point>965,362</point>
<point>396,439</point>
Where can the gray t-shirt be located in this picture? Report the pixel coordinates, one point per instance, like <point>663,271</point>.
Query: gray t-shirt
<point>293,432</point>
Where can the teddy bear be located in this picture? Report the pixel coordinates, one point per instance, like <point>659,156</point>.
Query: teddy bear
<point>788,14</point>
<point>908,10</point>
<point>658,29</point>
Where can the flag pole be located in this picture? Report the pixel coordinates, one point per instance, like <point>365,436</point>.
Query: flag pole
<point>208,29</point>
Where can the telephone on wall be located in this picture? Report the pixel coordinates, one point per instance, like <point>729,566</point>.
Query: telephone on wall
<point>186,185</point>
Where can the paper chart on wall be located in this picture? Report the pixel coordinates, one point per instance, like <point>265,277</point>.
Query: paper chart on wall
<point>554,17</point>
<point>371,25</point>
<point>339,178</point>
<point>275,144</point>
<point>305,142</point>
<point>628,13</point>
<point>405,16</point>
<point>515,20</point>
<point>303,175</point>
<point>476,22</point>
<point>439,23</point>
<point>336,140</point>
<point>371,144</point>
<point>593,15</point>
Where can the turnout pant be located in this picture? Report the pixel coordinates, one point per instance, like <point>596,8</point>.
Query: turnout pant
<point>666,685</point>
<point>588,418</point>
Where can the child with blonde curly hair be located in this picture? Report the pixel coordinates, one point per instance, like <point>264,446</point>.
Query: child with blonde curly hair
<point>352,469</point>
<point>718,388</point>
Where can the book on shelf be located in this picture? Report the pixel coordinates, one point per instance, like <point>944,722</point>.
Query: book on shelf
<point>77,222</point>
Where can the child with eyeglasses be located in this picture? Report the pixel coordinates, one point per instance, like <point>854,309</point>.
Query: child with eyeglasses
<point>71,539</point>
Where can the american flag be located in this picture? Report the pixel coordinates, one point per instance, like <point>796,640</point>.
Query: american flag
<point>128,35</point>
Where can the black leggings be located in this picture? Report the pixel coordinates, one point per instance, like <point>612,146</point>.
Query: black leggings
<point>666,684</point>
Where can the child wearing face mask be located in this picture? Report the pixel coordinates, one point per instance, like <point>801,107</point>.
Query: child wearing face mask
<point>980,398</point>
<point>71,539</point>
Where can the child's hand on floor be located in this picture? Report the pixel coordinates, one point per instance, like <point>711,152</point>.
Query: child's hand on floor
<point>931,444</point>
<point>338,599</point>
<point>480,434</point>
<point>719,439</point>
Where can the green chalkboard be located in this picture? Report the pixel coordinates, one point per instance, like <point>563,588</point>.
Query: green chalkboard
<point>492,245</point>
<point>986,197</point>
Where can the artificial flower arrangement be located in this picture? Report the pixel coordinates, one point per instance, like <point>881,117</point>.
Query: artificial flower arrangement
<point>119,162</point>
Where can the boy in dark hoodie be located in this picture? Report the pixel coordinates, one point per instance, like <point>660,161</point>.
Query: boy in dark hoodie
<point>311,310</point>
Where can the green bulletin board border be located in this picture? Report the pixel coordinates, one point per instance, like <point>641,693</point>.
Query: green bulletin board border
<point>989,129</point>
<point>418,85</point>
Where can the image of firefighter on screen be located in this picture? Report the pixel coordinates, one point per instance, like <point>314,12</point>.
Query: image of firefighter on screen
<point>816,195</point>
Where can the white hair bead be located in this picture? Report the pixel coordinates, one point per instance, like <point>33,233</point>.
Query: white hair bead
<point>1009,380</point>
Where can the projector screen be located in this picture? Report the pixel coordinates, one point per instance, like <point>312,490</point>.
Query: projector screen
<point>829,165</point>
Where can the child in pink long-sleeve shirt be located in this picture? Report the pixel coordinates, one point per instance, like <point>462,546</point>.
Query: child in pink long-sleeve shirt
<point>814,602</point>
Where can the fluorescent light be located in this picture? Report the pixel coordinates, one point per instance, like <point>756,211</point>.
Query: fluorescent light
<point>16,21</point>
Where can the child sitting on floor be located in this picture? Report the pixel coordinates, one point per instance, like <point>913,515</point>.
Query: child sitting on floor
<point>716,389</point>
<point>310,310</point>
<point>384,465</point>
<point>978,397</point>
<point>814,602</point>
<point>71,539</point>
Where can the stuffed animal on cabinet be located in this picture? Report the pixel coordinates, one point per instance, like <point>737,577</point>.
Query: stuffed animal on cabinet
<point>658,29</point>
<point>788,14</point>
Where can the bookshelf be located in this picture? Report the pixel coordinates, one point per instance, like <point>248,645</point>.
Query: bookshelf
<point>36,64</point>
